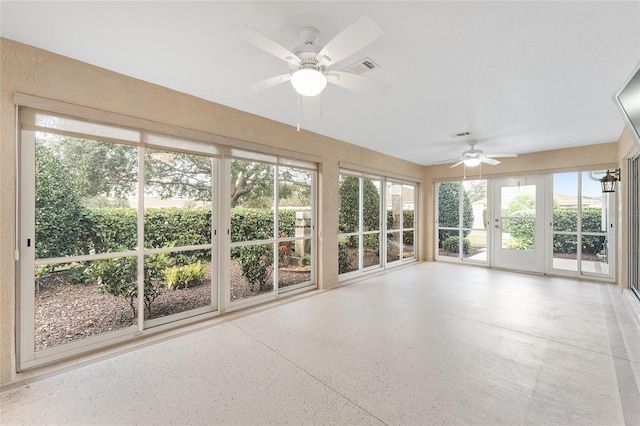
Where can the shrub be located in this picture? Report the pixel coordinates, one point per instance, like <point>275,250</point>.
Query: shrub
<point>256,263</point>
<point>349,210</point>
<point>345,258</point>
<point>449,209</point>
<point>78,275</point>
<point>452,244</point>
<point>119,278</point>
<point>184,276</point>
<point>57,207</point>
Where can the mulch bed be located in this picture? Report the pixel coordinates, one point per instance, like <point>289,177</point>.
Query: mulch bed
<point>66,312</point>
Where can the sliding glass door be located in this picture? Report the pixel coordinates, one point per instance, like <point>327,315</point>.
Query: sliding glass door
<point>119,232</point>
<point>582,225</point>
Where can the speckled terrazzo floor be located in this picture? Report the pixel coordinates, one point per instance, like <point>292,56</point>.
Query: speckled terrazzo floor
<point>433,343</point>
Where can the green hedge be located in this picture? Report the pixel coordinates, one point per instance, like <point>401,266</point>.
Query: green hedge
<point>103,230</point>
<point>566,220</point>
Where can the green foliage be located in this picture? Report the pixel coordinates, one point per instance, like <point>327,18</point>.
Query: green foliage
<point>520,230</point>
<point>119,278</point>
<point>251,184</point>
<point>452,244</point>
<point>184,276</point>
<point>256,224</point>
<point>107,230</point>
<point>566,220</point>
<point>407,219</point>
<point>520,243</point>
<point>57,206</point>
<point>449,209</point>
<point>78,275</point>
<point>98,168</point>
<point>349,210</point>
<point>521,203</point>
<point>256,263</point>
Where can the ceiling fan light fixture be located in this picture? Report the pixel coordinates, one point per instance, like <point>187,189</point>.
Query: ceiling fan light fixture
<point>308,81</point>
<point>472,162</point>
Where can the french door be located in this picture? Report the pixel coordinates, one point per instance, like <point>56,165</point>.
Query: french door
<point>517,223</point>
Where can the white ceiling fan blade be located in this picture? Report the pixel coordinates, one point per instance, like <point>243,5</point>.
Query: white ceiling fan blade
<point>350,40</point>
<point>358,83</point>
<point>265,43</point>
<point>456,164</point>
<point>264,84</point>
<point>489,161</point>
<point>501,155</point>
<point>448,161</point>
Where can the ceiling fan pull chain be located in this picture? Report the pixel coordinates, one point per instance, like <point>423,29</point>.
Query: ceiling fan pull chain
<point>298,113</point>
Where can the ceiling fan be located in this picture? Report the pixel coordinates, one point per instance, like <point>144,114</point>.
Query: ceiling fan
<point>473,157</point>
<point>310,64</point>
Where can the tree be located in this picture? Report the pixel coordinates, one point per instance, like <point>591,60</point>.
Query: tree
<point>449,216</point>
<point>349,211</point>
<point>449,207</point>
<point>105,169</point>
<point>58,209</point>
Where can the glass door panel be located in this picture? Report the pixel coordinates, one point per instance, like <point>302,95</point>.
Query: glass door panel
<point>371,250</point>
<point>252,230</point>
<point>518,224</point>
<point>294,227</point>
<point>79,199</point>
<point>178,222</point>
<point>475,218</point>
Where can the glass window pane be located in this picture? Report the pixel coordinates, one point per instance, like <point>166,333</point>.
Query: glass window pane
<point>252,215</point>
<point>394,205</point>
<point>408,206</point>
<point>251,271</point>
<point>448,243</point>
<point>475,219</point>
<point>565,252</point>
<point>371,250</point>
<point>565,202</point>
<point>449,204</point>
<point>518,234</point>
<point>294,263</point>
<point>595,255</point>
<point>294,202</point>
<point>518,201</point>
<point>177,282</point>
<point>83,299</point>
<point>594,217</point>
<point>177,199</point>
<point>349,204</point>
<point>86,196</point>
<point>348,257</point>
<point>370,205</point>
<point>408,248</point>
<point>393,246</point>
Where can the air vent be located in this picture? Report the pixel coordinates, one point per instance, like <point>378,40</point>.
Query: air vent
<point>460,135</point>
<point>362,66</point>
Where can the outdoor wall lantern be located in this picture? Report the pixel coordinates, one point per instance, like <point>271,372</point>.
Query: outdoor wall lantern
<point>609,180</point>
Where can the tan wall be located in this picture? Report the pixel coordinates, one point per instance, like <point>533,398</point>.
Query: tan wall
<point>585,157</point>
<point>36,72</point>
<point>627,148</point>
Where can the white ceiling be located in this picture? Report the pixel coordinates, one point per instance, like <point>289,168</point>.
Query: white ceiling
<point>520,76</point>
